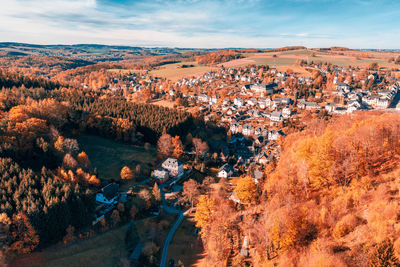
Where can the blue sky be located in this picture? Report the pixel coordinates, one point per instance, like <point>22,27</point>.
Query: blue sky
<point>203,24</point>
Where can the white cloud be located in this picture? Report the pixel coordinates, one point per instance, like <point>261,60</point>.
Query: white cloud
<point>181,23</point>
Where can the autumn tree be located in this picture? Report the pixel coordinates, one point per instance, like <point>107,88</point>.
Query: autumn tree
<point>83,159</point>
<point>127,173</point>
<point>69,162</point>
<point>204,209</point>
<point>70,235</point>
<point>156,192</point>
<point>200,146</point>
<point>24,236</point>
<point>115,218</point>
<point>373,66</point>
<point>178,147</point>
<point>383,255</point>
<point>190,191</point>
<point>165,145</point>
<point>146,196</point>
<point>245,191</point>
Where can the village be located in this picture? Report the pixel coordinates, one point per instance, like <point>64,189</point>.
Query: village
<point>257,106</point>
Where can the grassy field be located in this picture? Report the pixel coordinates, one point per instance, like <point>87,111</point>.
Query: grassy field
<point>103,250</point>
<point>109,156</point>
<point>185,246</point>
<point>288,58</point>
<point>174,72</point>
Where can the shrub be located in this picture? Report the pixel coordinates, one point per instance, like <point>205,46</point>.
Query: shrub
<point>345,226</point>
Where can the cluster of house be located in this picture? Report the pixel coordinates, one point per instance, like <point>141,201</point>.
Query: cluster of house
<point>171,167</point>
<point>363,99</point>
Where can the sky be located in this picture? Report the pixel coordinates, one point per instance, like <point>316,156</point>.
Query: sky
<point>203,24</point>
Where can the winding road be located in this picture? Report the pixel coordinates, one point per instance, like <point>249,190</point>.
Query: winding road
<point>171,210</point>
<point>169,238</point>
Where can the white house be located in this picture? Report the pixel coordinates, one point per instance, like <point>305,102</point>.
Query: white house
<point>312,105</point>
<point>343,87</point>
<point>234,128</point>
<point>330,107</point>
<point>173,166</point>
<point>252,101</point>
<point>258,130</point>
<point>108,194</point>
<point>274,135</point>
<point>161,175</point>
<point>225,171</point>
<point>382,103</point>
<point>247,129</point>
<point>276,116</point>
<point>263,88</point>
<point>238,101</point>
<point>263,158</point>
<point>203,98</point>
<point>286,112</point>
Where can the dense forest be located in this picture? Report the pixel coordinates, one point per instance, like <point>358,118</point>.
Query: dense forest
<point>220,56</point>
<point>149,120</point>
<point>332,199</point>
<point>48,184</point>
<point>45,186</point>
<point>10,79</point>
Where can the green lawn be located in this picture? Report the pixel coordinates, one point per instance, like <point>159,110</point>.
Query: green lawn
<point>109,156</point>
<point>104,250</point>
<point>273,61</point>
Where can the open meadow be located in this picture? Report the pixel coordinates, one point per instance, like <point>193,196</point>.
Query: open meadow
<point>103,250</point>
<point>186,246</point>
<point>175,72</point>
<point>109,156</point>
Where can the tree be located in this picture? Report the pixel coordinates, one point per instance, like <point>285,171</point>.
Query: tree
<point>126,173</point>
<point>165,145</point>
<point>178,147</point>
<point>245,190</point>
<point>133,211</point>
<point>156,192</point>
<point>69,162</point>
<point>397,61</point>
<point>24,237</point>
<point>59,144</point>
<point>115,219</point>
<point>190,190</point>
<point>224,188</point>
<point>83,159</point>
<point>70,146</point>
<point>146,196</point>
<point>70,235</point>
<point>200,147</point>
<point>204,208</point>
<point>373,66</point>
<point>383,255</point>
<point>205,185</point>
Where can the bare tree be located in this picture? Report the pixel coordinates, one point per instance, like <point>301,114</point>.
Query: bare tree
<point>190,191</point>
<point>200,147</point>
<point>165,145</point>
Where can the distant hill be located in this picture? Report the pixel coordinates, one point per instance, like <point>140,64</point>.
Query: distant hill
<point>92,52</point>
<point>286,48</point>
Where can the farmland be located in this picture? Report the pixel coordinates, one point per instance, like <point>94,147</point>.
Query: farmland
<point>174,72</point>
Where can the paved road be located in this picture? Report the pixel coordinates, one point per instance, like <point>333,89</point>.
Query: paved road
<point>168,240</point>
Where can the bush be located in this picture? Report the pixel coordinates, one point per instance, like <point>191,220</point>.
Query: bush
<point>345,226</point>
